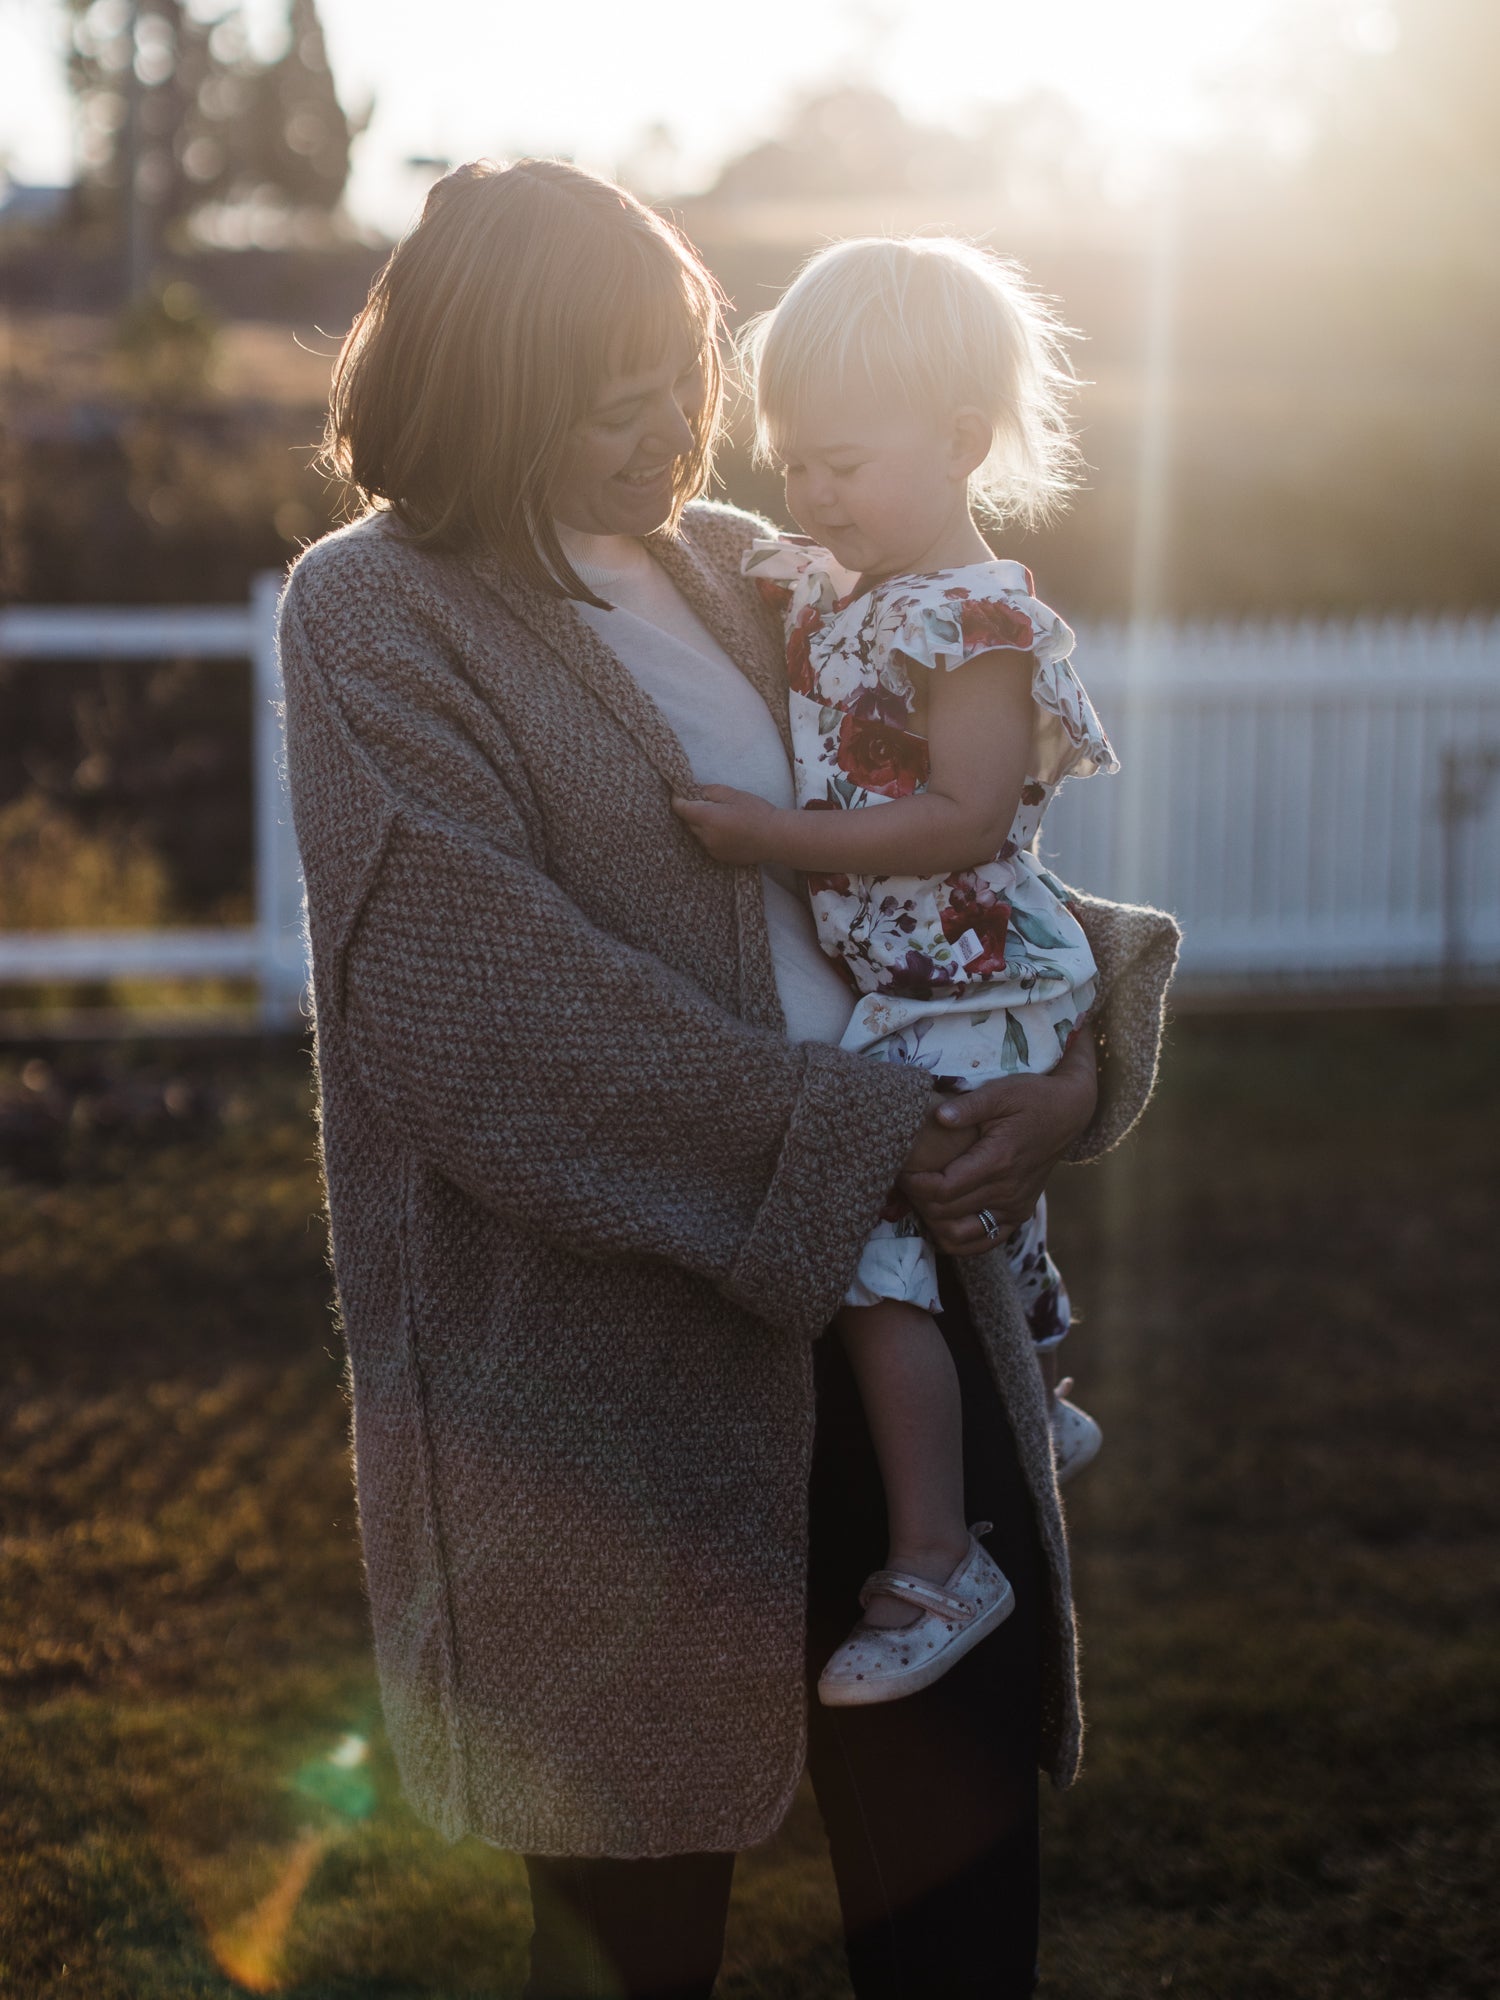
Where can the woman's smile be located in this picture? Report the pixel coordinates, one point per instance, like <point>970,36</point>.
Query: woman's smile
<point>648,478</point>
<point>622,462</point>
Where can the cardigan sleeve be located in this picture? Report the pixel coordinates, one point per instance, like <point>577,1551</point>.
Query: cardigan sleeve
<point>566,1081</point>
<point>1135,949</point>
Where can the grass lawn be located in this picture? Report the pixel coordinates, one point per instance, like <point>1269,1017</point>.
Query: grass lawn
<point>1286,1554</point>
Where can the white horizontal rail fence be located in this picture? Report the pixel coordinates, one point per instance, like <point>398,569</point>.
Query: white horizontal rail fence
<point>1283,791</point>
<point>270,950</point>
<point>1314,801</point>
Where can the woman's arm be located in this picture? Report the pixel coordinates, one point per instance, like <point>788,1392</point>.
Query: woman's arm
<point>978,736</point>
<point>566,1081</point>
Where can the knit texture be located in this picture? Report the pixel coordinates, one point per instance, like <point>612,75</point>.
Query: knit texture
<point>589,1209</point>
<point>1135,949</point>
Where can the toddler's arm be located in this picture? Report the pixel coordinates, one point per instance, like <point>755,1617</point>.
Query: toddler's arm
<point>979,724</point>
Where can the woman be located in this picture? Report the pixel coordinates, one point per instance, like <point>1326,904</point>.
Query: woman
<point>596,1175</point>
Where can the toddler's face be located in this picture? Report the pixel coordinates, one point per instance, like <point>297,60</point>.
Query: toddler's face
<point>875,483</point>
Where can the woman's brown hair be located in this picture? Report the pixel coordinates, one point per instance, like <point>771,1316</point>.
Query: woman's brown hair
<point>488,335</point>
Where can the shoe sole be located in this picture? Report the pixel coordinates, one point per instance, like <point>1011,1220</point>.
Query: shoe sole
<point>891,1687</point>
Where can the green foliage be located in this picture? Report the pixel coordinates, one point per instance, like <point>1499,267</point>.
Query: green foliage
<point>166,341</point>
<point>56,876</point>
<point>141,470</point>
<point>1291,1783</point>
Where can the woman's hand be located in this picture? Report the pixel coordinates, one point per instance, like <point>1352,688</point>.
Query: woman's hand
<point>1014,1132</point>
<point>733,826</point>
<point>936,1147</point>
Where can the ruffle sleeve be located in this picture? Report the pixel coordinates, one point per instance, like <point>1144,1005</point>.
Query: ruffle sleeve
<point>791,571</point>
<point>942,621</point>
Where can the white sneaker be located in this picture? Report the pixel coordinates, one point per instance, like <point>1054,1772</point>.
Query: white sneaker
<point>1076,1438</point>
<point>878,1664</point>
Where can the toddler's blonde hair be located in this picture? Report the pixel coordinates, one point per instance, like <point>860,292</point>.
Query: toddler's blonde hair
<point>938,323</point>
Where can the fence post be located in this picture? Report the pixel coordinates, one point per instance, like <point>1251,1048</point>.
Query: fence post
<point>278,872</point>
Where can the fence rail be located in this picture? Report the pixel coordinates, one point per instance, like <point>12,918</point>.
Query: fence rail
<point>1319,803</point>
<point>270,950</point>
<point>1316,802</point>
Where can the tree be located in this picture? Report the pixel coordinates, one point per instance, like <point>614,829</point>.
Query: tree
<point>849,142</point>
<point>855,141</point>
<point>200,122</point>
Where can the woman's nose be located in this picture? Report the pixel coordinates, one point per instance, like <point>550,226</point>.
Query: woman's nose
<point>673,430</point>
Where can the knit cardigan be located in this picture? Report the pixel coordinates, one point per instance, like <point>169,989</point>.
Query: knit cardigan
<point>589,1209</point>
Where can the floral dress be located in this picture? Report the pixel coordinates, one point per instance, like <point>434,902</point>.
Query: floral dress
<point>974,975</point>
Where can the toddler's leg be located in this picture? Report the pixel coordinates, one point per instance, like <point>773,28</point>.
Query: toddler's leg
<point>1076,1438</point>
<point>909,1387</point>
<point>1039,1283</point>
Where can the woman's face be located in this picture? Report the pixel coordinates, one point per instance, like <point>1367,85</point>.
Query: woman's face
<point>620,466</point>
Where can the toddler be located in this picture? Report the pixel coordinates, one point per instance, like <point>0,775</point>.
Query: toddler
<point>898,384</point>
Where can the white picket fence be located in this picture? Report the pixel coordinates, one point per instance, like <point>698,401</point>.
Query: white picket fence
<point>269,951</point>
<point>1318,803</point>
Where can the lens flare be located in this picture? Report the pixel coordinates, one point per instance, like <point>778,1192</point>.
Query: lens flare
<point>252,1949</point>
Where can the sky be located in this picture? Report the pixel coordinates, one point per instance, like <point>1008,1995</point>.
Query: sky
<point>458,78</point>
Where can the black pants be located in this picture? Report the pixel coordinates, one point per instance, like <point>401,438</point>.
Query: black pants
<point>930,1803</point>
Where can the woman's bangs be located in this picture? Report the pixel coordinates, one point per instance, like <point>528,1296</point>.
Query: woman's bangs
<point>660,307</point>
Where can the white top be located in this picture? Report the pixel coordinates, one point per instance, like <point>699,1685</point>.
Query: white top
<point>729,737</point>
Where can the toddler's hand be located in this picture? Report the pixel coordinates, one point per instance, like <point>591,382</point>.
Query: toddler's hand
<point>733,826</point>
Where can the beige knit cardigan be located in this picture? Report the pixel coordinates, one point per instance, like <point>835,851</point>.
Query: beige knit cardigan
<point>589,1210</point>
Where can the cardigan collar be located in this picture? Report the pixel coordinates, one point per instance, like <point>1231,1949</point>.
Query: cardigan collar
<point>750,640</point>
<point>556,622</point>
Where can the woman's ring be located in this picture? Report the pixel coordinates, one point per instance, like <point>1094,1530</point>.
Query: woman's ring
<point>989,1225</point>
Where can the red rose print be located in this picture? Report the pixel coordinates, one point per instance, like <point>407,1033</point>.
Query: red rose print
<point>880,758</point>
<point>772,591</point>
<point>994,624</point>
<point>799,666</point>
<point>973,906</point>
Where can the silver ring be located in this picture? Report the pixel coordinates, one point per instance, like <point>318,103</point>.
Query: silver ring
<point>989,1225</point>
